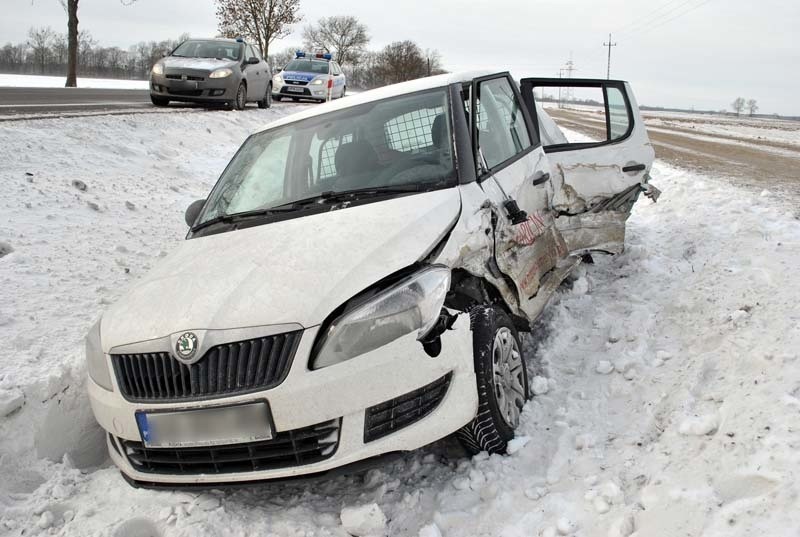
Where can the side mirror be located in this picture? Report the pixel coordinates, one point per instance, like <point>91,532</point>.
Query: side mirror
<point>193,211</point>
<point>252,60</point>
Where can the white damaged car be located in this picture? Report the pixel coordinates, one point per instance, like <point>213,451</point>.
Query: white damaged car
<point>355,283</point>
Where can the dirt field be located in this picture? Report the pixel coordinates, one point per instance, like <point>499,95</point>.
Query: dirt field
<point>757,163</point>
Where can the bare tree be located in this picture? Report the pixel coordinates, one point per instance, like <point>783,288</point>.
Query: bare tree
<point>752,106</point>
<point>261,21</point>
<point>342,35</point>
<point>40,40</point>
<point>433,62</point>
<point>738,105</point>
<point>401,61</point>
<point>279,59</point>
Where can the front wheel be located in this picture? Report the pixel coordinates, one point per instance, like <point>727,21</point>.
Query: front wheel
<point>241,98</point>
<point>266,102</point>
<point>277,97</point>
<point>344,90</point>
<point>502,381</point>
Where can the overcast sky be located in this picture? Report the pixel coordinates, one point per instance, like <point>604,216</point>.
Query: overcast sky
<point>701,53</point>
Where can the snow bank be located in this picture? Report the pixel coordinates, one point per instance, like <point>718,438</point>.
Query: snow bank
<point>639,350</point>
<point>39,81</point>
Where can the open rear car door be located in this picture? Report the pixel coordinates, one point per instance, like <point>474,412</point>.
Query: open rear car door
<point>599,153</point>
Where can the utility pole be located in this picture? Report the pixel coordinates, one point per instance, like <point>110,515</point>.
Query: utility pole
<point>570,66</point>
<point>609,45</point>
<point>560,75</point>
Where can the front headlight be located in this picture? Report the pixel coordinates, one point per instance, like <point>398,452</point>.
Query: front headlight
<point>221,73</point>
<point>410,305</point>
<point>96,360</point>
<point>277,79</point>
<point>158,69</point>
<point>317,82</point>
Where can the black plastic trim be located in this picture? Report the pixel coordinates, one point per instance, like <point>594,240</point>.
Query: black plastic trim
<point>347,469</point>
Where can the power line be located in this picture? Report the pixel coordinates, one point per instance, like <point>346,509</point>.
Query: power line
<point>652,15</point>
<point>701,4</point>
<point>609,45</point>
<point>673,14</point>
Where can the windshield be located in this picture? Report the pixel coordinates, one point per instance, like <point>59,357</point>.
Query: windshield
<point>399,142</point>
<point>208,49</point>
<point>307,66</point>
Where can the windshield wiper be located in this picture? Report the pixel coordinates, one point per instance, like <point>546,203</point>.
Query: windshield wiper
<point>238,217</point>
<point>331,196</point>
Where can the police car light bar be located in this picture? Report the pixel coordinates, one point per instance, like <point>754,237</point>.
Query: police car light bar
<point>240,40</point>
<point>317,55</point>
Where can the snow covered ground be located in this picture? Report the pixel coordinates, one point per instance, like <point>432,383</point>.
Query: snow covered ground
<point>779,131</point>
<point>672,405</point>
<point>39,81</point>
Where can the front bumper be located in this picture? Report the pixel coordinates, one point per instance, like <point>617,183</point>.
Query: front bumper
<point>196,88</point>
<point>306,398</point>
<point>319,92</point>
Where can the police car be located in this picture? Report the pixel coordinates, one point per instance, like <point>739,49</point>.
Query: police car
<point>315,77</point>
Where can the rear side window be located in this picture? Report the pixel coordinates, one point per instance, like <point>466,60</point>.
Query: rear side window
<point>412,132</point>
<point>502,132</point>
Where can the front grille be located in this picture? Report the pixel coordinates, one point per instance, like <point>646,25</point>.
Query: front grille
<point>180,77</point>
<point>232,368</point>
<point>290,448</point>
<point>186,93</point>
<point>297,82</point>
<point>394,414</point>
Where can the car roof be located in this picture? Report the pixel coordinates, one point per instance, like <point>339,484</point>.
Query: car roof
<point>385,92</point>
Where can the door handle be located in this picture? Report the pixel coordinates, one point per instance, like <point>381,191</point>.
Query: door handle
<point>634,168</point>
<point>541,179</point>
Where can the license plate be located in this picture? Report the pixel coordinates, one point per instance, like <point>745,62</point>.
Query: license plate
<point>206,426</point>
<point>295,89</point>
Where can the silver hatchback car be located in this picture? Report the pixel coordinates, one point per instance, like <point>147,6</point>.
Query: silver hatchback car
<point>227,72</point>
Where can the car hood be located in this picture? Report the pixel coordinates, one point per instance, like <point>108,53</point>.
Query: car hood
<point>294,271</point>
<point>298,76</point>
<point>200,64</point>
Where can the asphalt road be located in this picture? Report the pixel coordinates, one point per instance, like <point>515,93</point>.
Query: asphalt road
<point>30,101</point>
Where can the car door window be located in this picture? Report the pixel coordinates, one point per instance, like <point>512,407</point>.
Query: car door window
<point>250,52</point>
<point>501,129</point>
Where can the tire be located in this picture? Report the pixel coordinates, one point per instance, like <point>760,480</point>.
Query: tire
<point>241,98</point>
<point>277,98</point>
<point>266,102</point>
<point>502,381</point>
<point>159,101</point>
<point>296,99</point>
<point>344,90</point>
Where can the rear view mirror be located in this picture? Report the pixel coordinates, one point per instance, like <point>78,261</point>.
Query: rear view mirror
<point>252,60</point>
<point>193,211</point>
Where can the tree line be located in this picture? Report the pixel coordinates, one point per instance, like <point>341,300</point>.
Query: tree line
<point>261,22</point>
<point>46,53</point>
<point>264,21</point>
